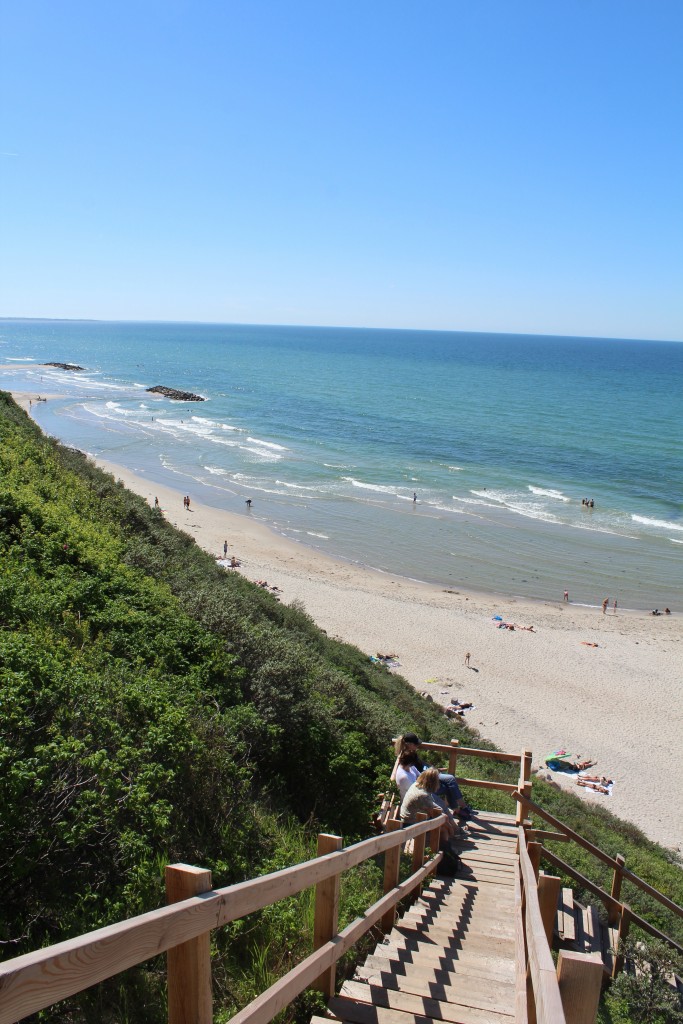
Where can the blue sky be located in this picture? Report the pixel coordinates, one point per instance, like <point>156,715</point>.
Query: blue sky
<point>483,165</point>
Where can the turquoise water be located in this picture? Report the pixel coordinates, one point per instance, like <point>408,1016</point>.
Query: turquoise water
<point>330,432</point>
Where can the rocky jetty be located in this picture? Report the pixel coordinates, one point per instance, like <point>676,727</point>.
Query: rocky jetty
<point>66,366</point>
<point>177,396</point>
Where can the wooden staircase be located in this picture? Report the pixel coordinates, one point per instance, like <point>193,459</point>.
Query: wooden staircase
<point>451,957</point>
<point>580,928</point>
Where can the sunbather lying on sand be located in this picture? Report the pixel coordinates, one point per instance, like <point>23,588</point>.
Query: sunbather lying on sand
<point>587,784</point>
<point>566,763</point>
<point>598,778</point>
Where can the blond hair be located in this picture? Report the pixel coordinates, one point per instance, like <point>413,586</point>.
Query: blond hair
<point>428,780</point>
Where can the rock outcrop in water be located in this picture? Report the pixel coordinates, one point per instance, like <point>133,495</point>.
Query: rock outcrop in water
<point>66,366</point>
<point>177,396</point>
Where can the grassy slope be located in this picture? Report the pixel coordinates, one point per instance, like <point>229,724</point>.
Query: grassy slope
<point>156,708</point>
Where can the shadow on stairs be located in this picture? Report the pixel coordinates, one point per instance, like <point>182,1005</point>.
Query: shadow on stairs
<point>451,957</point>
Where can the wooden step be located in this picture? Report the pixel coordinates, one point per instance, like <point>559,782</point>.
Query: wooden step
<point>499,900</point>
<point>409,951</point>
<point>385,967</point>
<point>566,922</point>
<point>356,1012</point>
<point>488,927</point>
<point>478,851</point>
<point>592,939</point>
<point>464,914</point>
<point>496,943</point>
<point>609,938</point>
<point>472,992</point>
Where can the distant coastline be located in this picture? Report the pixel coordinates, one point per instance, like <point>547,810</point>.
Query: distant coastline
<point>331,432</point>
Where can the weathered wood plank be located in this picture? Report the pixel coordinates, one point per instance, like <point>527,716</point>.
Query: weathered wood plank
<point>591,930</point>
<point>569,921</point>
<point>412,952</point>
<point>362,1013</point>
<point>387,970</point>
<point>470,992</point>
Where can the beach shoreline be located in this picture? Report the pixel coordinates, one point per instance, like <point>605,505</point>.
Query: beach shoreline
<point>602,686</point>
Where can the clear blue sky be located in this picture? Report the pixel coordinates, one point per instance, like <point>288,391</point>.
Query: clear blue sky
<point>502,165</point>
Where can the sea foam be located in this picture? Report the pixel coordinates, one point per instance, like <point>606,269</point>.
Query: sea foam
<point>662,524</point>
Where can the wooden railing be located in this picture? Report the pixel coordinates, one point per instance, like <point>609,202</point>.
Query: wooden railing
<point>535,968</point>
<point>619,914</point>
<point>182,929</point>
<point>34,981</point>
<point>453,751</point>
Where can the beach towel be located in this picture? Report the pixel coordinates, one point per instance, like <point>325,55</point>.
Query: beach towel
<point>562,761</point>
<point>609,786</point>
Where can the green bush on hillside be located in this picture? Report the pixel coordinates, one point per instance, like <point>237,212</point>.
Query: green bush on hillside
<point>156,709</point>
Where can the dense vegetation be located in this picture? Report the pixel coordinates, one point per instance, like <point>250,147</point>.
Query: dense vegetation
<point>157,709</point>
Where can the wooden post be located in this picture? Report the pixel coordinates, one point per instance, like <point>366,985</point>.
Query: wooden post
<point>617,877</point>
<point>190,1000</point>
<point>453,757</point>
<point>418,857</point>
<point>624,925</point>
<point>326,918</point>
<point>392,865</point>
<point>524,785</point>
<point>548,892</point>
<point>579,976</point>
<point>435,839</point>
<point>535,856</point>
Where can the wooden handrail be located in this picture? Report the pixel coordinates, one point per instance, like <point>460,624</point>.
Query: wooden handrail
<point>45,976</point>
<point>504,787</point>
<point>546,991</point>
<point>447,748</point>
<point>598,853</point>
<point>521,1008</point>
<point>583,881</point>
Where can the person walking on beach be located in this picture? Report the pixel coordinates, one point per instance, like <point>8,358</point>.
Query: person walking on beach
<point>225,549</point>
<point>615,606</point>
<point>604,605</point>
<point>414,497</point>
<point>156,503</point>
<point>467,659</point>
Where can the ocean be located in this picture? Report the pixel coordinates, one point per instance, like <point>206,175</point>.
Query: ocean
<point>455,458</point>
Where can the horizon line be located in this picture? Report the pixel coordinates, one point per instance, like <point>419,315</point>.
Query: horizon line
<point>344,327</point>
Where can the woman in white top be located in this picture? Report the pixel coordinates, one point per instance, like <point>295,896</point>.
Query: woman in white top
<point>409,767</point>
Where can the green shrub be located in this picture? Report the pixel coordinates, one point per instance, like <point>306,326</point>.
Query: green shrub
<point>644,995</point>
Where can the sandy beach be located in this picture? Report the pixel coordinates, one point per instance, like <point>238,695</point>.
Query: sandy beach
<point>604,686</point>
